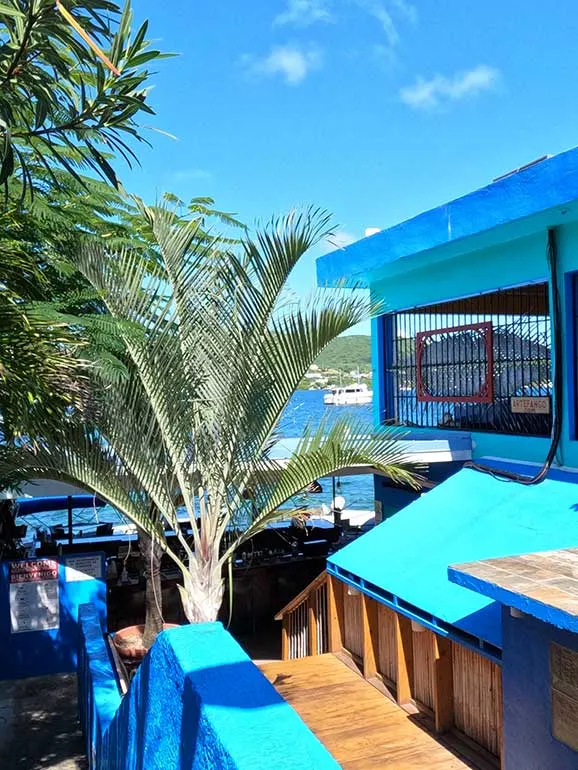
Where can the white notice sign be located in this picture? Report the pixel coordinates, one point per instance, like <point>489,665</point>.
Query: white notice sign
<point>34,595</point>
<point>83,568</point>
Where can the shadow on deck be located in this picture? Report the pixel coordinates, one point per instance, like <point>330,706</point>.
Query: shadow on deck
<point>39,727</point>
<point>361,727</point>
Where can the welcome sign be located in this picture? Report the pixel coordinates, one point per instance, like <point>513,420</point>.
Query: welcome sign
<point>34,603</point>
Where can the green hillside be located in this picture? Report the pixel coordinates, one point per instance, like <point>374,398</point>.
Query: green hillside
<point>347,353</point>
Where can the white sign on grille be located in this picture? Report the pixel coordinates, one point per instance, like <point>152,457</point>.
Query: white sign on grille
<point>83,568</point>
<point>34,596</point>
<point>530,404</point>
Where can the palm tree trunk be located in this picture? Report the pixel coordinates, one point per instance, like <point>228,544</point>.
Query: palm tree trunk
<point>151,553</point>
<point>202,593</point>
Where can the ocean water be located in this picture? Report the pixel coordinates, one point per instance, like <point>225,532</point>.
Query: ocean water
<point>306,408</point>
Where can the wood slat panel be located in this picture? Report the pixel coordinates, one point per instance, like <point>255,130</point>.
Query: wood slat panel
<point>361,728</point>
<point>443,681</point>
<point>386,658</point>
<point>285,639</point>
<point>335,614</point>
<point>423,682</point>
<point>369,613</point>
<point>353,631</point>
<point>322,619</point>
<point>305,628</point>
<point>312,624</point>
<point>404,659</point>
<point>477,698</point>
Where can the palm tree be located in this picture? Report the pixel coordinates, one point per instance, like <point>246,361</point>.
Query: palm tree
<point>193,424</point>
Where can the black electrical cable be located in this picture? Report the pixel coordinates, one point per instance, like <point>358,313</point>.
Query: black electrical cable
<point>558,379</point>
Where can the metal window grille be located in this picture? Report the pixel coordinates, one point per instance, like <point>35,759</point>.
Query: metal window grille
<point>468,363</point>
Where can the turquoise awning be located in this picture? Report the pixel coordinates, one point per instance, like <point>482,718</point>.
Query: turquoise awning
<point>469,517</point>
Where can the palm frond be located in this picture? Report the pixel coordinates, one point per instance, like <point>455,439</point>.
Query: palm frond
<point>203,358</point>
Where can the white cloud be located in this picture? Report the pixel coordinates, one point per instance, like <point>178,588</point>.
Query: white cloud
<point>385,19</point>
<point>291,62</point>
<point>432,93</point>
<point>303,13</point>
<point>339,240</point>
<point>406,9</point>
<point>386,13</point>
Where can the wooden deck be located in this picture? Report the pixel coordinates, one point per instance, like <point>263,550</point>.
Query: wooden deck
<point>360,726</point>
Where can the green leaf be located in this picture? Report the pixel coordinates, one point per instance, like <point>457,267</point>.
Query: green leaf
<point>7,162</point>
<point>41,112</point>
<point>11,11</point>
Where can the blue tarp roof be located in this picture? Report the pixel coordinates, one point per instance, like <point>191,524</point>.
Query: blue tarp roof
<point>470,516</point>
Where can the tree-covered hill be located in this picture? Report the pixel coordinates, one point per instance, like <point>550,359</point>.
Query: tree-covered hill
<point>347,354</point>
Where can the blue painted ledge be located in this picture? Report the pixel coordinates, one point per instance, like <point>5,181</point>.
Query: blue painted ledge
<point>98,695</point>
<point>198,702</point>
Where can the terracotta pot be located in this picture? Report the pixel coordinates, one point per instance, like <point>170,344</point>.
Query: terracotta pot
<point>125,641</point>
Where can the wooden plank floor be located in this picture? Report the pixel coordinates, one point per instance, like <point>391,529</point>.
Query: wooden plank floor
<point>360,726</point>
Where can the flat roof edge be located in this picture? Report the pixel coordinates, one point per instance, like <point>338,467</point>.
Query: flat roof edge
<point>536,189</point>
<point>553,616</point>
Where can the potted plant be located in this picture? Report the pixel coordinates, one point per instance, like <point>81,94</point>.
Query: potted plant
<point>132,642</point>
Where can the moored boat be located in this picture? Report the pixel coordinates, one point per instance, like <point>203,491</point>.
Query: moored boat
<point>349,395</point>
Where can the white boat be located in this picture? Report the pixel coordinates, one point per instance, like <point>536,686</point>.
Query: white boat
<point>349,395</point>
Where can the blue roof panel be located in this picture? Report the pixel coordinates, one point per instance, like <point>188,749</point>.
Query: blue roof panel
<point>469,517</point>
<point>546,185</point>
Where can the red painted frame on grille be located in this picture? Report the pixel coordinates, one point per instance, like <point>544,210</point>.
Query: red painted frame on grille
<point>486,393</point>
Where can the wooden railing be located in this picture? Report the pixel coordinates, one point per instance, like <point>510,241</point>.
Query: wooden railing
<point>456,686</point>
<point>305,621</point>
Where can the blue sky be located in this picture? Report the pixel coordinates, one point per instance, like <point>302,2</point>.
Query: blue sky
<point>373,109</point>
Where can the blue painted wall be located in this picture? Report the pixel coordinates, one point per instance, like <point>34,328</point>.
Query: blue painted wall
<point>391,499</point>
<point>35,653</point>
<point>528,740</point>
<point>197,702</point>
<point>492,238</point>
<point>508,264</point>
<point>489,268</point>
<point>98,694</point>
<point>379,338</point>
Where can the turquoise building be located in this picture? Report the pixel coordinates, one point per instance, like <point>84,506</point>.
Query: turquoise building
<point>475,354</point>
<point>485,261</point>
